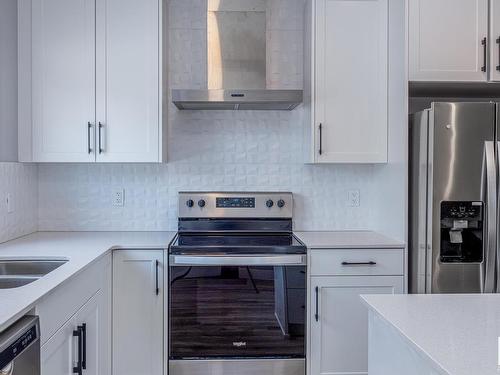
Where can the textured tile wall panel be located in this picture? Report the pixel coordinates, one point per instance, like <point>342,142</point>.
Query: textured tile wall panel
<point>213,150</point>
<point>20,180</point>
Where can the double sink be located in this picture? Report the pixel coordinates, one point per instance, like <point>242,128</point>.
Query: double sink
<point>18,272</point>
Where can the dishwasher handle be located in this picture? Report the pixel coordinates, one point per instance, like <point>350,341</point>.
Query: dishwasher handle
<point>20,343</point>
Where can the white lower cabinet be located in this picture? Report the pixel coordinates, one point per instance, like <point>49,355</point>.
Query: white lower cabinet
<point>64,352</point>
<point>138,328</point>
<point>57,353</point>
<point>338,334</point>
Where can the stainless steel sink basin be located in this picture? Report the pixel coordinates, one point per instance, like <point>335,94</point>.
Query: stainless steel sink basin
<point>15,282</point>
<point>18,272</point>
<point>29,267</point>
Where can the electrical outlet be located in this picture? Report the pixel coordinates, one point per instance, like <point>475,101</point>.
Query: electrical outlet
<point>118,197</point>
<point>9,202</point>
<point>353,198</point>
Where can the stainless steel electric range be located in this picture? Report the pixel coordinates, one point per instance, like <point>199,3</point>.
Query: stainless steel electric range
<point>237,287</point>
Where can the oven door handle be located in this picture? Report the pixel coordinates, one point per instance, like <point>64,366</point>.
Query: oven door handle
<point>240,260</point>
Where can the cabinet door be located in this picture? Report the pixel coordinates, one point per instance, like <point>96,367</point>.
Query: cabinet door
<point>445,40</point>
<point>128,83</point>
<point>495,40</point>
<point>351,38</point>
<point>57,354</point>
<point>138,312</point>
<point>60,353</point>
<point>339,336</point>
<point>63,80</point>
<point>94,314</point>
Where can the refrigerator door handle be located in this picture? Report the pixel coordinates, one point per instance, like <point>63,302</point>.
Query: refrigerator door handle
<point>489,196</point>
<point>497,217</point>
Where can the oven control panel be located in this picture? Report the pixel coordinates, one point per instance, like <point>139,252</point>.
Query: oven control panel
<point>235,205</point>
<point>234,202</point>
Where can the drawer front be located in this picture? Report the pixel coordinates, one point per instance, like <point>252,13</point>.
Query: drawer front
<point>357,262</point>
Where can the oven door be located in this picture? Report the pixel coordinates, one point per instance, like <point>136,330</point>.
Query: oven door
<point>237,307</point>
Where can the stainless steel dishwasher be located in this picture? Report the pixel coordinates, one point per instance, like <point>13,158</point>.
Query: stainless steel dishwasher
<point>20,348</point>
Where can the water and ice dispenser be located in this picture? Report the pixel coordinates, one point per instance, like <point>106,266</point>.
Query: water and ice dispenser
<point>461,232</point>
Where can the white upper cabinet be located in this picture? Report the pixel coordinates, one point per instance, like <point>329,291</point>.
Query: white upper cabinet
<point>128,83</point>
<point>63,71</point>
<point>448,40</point>
<point>349,87</point>
<point>96,81</point>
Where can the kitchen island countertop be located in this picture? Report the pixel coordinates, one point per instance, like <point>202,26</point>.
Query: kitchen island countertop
<point>455,334</point>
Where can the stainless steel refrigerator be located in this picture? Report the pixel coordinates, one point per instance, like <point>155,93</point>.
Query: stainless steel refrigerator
<point>454,174</point>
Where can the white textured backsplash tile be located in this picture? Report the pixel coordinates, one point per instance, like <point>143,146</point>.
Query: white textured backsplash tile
<point>20,181</point>
<point>212,150</point>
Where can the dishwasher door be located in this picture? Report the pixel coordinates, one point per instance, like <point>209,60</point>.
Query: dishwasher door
<point>20,348</point>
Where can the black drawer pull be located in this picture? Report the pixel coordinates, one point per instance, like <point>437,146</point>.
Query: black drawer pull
<point>89,129</point>
<point>370,263</point>
<point>320,139</point>
<point>78,369</point>
<point>83,328</point>
<point>101,149</point>
<point>157,286</point>
<point>498,42</point>
<point>485,46</point>
<point>316,315</point>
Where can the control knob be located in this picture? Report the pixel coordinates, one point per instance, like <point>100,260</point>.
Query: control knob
<point>201,203</point>
<point>269,203</point>
<point>281,203</point>
<point>189,203</point>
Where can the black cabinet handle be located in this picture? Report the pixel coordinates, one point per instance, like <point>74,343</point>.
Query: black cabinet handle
<point>484,43</point>
<point>320,138</point>
<point>78,369</point>
<point>89,128</point>
<point>83,328</point>
<point>157,285</point>
<point>100,144</point>
<point>316,315</point>
<point>370,263</point>
<point>498,42</point>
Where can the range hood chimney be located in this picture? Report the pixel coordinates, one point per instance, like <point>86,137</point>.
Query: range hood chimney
<point>236,62</point>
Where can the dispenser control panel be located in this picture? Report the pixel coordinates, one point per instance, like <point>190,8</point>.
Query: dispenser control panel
<point>461,210</point>
<point>461,232</point>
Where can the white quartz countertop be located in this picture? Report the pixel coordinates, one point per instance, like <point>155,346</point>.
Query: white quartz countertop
<point>457,333</point>
<point>79,248</point>
<point>82,248</point>
<point>347,240</point>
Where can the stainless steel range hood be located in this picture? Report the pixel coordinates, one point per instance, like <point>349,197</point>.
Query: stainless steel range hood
<point>237,62</point>
<point>284,100</point>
